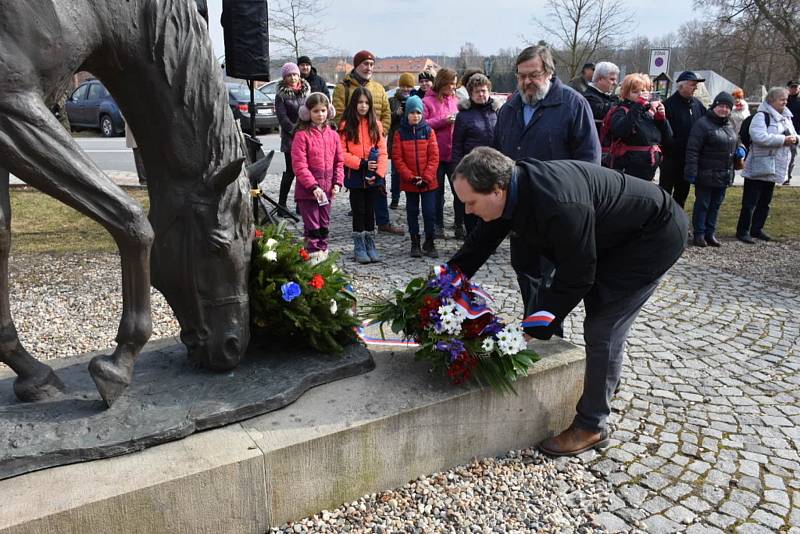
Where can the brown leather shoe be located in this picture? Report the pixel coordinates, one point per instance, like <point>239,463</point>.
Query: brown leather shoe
<point>572,441</point>
<point>390,229</point>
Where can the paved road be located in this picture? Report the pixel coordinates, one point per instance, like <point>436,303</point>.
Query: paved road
<point>112,156</point>
<point>706,426</point>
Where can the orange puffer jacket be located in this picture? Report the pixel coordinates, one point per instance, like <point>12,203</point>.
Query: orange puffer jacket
<point>356,153</point>
<point>415,153</point>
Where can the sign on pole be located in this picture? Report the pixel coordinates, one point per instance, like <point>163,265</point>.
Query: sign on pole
<point>659,61</point>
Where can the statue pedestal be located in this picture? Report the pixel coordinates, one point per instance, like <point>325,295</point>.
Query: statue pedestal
<point>339,441</point>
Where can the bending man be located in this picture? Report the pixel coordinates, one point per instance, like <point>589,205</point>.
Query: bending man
<point>611,238</point>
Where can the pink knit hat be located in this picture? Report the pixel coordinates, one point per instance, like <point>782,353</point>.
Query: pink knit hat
<point>289,68</point>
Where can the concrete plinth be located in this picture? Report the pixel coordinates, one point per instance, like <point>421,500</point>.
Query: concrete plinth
<point>337,442</point>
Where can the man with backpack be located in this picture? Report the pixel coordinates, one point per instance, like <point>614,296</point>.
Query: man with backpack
<point>683,109</point>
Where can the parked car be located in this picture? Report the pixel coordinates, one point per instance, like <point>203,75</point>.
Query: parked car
<point>92,106</point>
<point>239,100</point>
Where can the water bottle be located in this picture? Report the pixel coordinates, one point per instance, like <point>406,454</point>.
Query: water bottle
<point>373,156</point>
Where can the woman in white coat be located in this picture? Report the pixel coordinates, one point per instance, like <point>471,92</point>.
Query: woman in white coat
<point>773,136</point>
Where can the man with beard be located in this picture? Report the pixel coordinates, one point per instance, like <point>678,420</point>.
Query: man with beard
<point>309,74</point>
<point>545,120</point>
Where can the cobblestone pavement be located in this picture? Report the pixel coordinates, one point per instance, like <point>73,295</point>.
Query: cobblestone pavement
<point>707,421</point>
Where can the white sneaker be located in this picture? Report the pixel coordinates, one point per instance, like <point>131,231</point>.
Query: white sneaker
<point>317,256</point>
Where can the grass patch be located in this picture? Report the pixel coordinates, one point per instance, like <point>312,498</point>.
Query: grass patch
<point>41,224</point>
<point>784,212</point>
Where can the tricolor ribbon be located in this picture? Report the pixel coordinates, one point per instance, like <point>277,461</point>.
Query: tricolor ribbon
<point>472,307</point>
<point>379,341</point>
<point>539,318</point>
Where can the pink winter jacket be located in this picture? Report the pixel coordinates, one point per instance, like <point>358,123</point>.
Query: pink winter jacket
<point>317,161</point>
<point>436,112</point>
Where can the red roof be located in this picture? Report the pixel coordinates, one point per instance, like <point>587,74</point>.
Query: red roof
<point>412,65</point>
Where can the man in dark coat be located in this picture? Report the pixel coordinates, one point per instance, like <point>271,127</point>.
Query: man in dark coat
<point>683,110</point>
<point>544,120</point>
<point>611,237</point>
<point>309,74</point>
<point>600,93</point>
<point>794,106</point>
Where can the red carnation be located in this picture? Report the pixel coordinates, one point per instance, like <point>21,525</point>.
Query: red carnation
<point>429,304</point>
<point>460,371</point>
<point>474,327</point>
<point>304,254</point>
<point>259,233</point>
<point>317,281</point>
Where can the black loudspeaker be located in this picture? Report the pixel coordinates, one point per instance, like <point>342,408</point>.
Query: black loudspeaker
<point>246,27</point>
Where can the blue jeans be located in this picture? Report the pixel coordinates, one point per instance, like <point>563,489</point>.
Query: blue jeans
<point>428,199</point>
<point>706,209</point>
<point>447,168</point>
<point>381,209</point>
<point>756,198</point>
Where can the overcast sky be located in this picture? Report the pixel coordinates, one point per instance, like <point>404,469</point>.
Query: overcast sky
<point>430,27</point>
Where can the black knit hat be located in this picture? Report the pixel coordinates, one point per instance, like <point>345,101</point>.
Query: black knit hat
<point>723,98</point>
<point>304,59</point>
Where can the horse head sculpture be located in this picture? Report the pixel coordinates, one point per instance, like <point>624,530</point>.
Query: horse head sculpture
<point>156,59</point>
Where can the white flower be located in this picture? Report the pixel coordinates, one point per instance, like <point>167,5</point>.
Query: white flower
<point>271,243</point>
<point>271,255</point>
<point>451,317</point>
<point>334,307</point>
<point>350,312</point>
<point>510,340</point>
<point>488,344</point>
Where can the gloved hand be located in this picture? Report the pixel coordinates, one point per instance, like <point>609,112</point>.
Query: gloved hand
<point>691,179</point>
<point>740,152</point>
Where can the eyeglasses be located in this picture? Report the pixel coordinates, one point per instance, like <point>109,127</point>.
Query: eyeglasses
<point>532,76</point>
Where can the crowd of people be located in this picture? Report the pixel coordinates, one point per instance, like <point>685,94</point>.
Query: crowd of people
<point>412,142</point>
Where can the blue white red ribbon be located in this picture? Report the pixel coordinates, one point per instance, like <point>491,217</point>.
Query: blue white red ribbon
<point>381,342</point>
<point>539,318</point>
<point>471,306</point>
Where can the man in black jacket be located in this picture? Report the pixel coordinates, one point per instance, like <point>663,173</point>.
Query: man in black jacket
<point>683,110</point>
<point>611,238</point>
<point>309,74</point>
<point>793,105</point>
<point>600,93</point>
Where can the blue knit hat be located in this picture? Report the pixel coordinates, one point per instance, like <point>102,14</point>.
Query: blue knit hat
<point>413,103</point>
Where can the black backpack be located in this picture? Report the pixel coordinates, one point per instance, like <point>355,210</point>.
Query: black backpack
<point>744,130</point>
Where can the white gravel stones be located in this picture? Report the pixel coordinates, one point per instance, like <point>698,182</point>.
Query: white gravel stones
<point>521,492</point>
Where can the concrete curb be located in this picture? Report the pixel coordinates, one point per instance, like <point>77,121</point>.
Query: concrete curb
<point>337,442</point>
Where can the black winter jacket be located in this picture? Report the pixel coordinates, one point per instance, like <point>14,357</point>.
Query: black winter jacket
<point>681,114</point>
<point>598,226</point>
<point>474,127</point>
<point>794,106</point>
<point>317,83</point>
<point>600,103</point>
<point>710,151</point>
<point>635,127</point>
<point>287,107</point>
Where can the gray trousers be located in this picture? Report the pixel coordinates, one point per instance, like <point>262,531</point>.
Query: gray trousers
<point>609,316</point>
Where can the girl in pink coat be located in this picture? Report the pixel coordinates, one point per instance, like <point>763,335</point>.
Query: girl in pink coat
<point>319,166</point>
<point>440,108</point>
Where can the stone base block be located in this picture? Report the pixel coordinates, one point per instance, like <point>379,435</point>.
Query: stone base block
<point>337,442</point>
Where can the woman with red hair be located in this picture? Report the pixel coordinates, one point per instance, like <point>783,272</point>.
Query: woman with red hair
<point>638,125</point>
<point>740,110</point>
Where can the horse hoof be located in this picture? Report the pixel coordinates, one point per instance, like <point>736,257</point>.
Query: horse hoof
<point>38,388</point>
<point>110,378</point>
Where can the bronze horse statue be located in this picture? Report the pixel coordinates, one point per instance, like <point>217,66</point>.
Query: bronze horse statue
<point>155,57</point>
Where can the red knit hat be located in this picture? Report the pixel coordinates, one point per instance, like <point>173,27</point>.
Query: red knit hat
<point>361,57</point>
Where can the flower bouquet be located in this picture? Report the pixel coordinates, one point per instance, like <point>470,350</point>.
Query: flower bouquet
<point>457,332</point>
<point>295,299</point>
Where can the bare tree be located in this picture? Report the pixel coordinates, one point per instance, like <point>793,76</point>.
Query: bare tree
<point>581,27</point>
<point>469,57</point>
<point>294,26</point>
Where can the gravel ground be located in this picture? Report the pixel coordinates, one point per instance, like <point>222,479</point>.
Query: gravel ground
<point>773,263</point>
<point>521,492</point>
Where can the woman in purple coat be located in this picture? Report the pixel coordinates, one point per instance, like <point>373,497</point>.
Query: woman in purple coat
<point>474,125</point>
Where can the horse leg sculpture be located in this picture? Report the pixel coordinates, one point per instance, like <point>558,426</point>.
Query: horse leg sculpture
<point>35,147</point>
<point>35,380</point>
